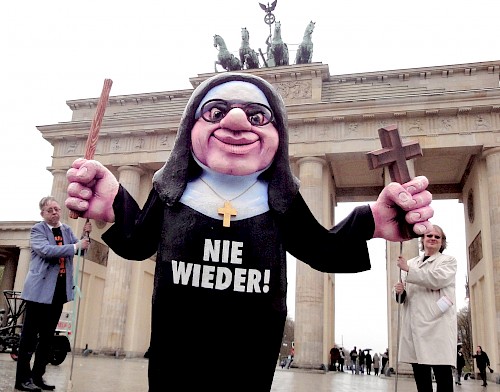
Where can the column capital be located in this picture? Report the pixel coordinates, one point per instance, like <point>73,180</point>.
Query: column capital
<point>130,168</point>
<point>57,171</point>
<point>490,151</point>
<point>322,161</point>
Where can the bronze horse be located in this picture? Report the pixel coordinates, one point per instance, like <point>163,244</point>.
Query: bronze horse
<point>305,49</point>
<point>225,59</point>
<point>278,51</point>
<point>248,57</point>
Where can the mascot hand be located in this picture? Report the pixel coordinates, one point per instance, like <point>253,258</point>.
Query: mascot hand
<point>91,190</point>
<point>402,212</point>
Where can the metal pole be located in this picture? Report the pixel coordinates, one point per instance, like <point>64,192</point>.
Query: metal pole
<point>74,328</point>
<point>398,327</point>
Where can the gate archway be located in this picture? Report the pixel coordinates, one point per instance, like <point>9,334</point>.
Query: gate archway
<point>452,111</point>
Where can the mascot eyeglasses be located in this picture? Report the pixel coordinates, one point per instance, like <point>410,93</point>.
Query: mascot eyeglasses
<point>216,109</point>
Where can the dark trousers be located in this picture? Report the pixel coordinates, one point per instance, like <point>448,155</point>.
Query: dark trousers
<point>423,377</point>
<point>482,373</point>
<point>384,362</point>
<point>40,322</point>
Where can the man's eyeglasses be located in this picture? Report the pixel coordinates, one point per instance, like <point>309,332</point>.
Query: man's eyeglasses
<point>216,109</point>
<point>437,237</point>
<point>52,210</point>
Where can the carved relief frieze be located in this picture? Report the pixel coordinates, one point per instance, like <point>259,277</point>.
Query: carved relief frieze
<point>447,125</point>
<point>303,133</point>
<point>71,147</point>
<point>117,145</point>
<point>322,132</point>
<point>296,133</point>
<point>481,122</point>
<point>166,141</point>
<point>352,129</point>
<point>300,89</point>
<point>139,143</point>
<point>414,127</point>
<point>106,145</point>
<point>475,251</point>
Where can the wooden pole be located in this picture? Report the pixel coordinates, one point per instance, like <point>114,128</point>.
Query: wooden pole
<point>91,144</point>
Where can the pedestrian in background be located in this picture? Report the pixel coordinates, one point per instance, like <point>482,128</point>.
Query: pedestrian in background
<point>429,319</point>
<point>482,361</point>
<point>460,365</point>
<point>290,358</point>
<point>341,359</point>
<point>368,362</point>
<point>385,360</point>
<point>376,363</point>
<point>48,286</point>
<point>354,359</point>
<point>334,358</point>
<point>361,360</point>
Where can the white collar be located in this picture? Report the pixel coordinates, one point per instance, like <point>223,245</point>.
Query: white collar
<point>53,227</point>
<point>207,193</point>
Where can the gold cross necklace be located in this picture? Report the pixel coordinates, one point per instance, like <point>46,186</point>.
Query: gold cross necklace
<point>228,210</point>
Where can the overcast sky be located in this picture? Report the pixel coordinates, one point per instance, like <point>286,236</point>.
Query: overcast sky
<point>59,50</point>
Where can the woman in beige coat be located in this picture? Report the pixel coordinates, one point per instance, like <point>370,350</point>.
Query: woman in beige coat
<point>429,318</point>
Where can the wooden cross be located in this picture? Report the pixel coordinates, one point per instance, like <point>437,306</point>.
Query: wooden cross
<point>227,211</point>
<point>393,154</point>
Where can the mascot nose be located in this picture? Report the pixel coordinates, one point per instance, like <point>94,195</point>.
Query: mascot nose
<point>236,119</point>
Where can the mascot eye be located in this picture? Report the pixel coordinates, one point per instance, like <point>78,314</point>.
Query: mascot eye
<point>258,114</point>
<point>216,114</point>
<point>215,110</point>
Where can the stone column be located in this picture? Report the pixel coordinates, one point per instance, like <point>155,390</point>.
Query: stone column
<point>117,286</point>
<point>60,192</point>
<point>309,295</point>
<point>22,267</point>
<point>492,157</point>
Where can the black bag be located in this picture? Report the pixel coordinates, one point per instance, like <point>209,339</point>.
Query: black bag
<point>491,370</point>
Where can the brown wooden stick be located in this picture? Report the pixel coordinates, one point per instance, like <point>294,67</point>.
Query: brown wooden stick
<point>91,144</point>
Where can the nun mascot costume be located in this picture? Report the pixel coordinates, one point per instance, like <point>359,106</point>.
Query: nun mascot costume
<point>221,215</point>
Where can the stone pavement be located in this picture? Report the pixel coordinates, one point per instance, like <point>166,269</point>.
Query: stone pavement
<point>130,375</point>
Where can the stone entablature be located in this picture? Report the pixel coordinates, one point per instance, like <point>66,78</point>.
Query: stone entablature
<point>301,84</point>
<point>336,117</point>
<point>15,234</point>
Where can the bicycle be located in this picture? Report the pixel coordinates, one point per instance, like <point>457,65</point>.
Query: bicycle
<point>10,333</point>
